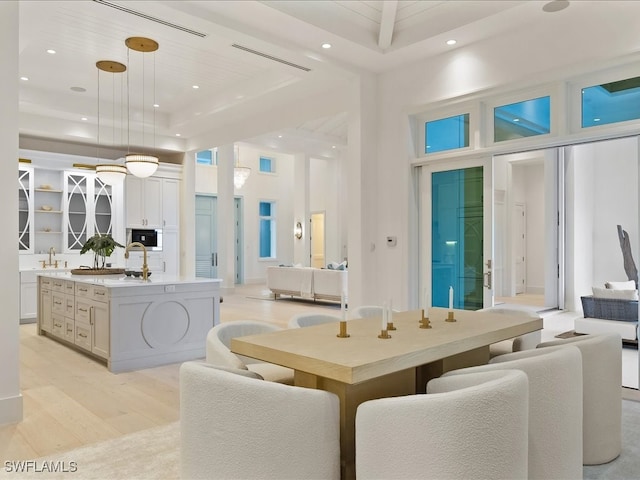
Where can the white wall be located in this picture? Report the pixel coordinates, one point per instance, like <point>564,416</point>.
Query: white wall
<point>10,397</point>
<point>535,227</point>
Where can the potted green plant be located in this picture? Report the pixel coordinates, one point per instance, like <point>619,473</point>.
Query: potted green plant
<point>102,246</point>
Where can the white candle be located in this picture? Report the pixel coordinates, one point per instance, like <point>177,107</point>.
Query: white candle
<point>384,316</point>
<point>390,314</point>
<point>425,305</point>
<point>342,309</point>
<point>450,298</point>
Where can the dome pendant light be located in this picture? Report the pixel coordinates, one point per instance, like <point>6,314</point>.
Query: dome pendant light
<point>141,164</point>
<point>110,174</point>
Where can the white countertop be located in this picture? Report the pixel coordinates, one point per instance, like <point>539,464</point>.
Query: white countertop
<point>121,280</point>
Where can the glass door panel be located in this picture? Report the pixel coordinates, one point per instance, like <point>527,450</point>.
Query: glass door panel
<point>457,238</point>
<point>456,225</point>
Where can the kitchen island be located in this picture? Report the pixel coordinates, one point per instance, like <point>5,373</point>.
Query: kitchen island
<point>126,322</point>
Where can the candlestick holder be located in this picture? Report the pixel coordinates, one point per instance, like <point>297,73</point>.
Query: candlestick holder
<point>390,326</point>
<point>424,321</point>
<point>343,330</point>
<point>384,334</point>
<point>450,317</point>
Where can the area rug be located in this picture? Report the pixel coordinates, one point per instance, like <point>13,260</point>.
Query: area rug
<point>152,454</point>
<point>155,455</point>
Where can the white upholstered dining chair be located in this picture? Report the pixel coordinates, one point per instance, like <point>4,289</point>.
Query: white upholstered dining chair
<point>555,408</point>
<point>309,319</point>
<point>602,400</point>
<point>234,427</point>
<point>218,350</point>
<point>519,343</point>
<point>467,426</point>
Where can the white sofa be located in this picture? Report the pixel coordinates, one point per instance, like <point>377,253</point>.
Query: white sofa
<point>307,282</point>
<point>610,310</point>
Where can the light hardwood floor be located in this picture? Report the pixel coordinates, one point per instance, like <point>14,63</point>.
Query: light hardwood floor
<point>71,400</point>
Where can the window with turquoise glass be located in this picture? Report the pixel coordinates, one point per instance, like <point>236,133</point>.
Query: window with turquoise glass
<point>611,102</point>
<point>446,133</point>
<point>266,212</point>
<point>267,165</point>
<point>522,119</point>
<point>207,157</point>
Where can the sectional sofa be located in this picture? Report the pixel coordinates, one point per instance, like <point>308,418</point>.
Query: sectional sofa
<point>307,282</point>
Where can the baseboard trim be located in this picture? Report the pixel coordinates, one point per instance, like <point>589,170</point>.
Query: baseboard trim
<point>11,410</point>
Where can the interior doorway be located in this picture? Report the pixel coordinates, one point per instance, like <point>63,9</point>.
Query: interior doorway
<point>317,239</point>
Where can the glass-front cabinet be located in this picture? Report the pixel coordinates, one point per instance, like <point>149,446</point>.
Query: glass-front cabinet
<point>89,206</point>
<point>61,209</point>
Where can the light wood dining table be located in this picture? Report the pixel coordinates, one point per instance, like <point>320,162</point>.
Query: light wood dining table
<point>363,367</point>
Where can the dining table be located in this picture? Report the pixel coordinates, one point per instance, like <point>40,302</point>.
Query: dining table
<point>351,360</point>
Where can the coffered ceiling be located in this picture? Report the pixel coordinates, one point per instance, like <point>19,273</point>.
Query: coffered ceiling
<point>244,56</point>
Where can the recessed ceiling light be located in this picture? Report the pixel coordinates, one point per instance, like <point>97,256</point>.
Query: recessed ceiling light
<point>555,6</point>
<point>279,136</point>
<point>78,89</point>
<point>333,146</point>
<point>25,79</point>
<point>51,51</point>
<point>155,105</point>
<point>84,119</point>
<point>326,45</point>
<point>451,42</point>
<point>195,87</point>
<point>178,135</point>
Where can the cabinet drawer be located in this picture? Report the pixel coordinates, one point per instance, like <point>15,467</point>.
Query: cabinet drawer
<point>45,282</point>
<point>58,285</point>
<point>57,327</point>
<point>82,337</point>
<point>84,290</point>
<point>100,294</point>
<point>82,310</point>
<point>58,302</point>
<point>69,287</point>
<point>69,306</point>
<point>69,329</point>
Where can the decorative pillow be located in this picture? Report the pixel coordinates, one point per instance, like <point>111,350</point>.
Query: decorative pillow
<point>614,293</point>
<point>630,285</point>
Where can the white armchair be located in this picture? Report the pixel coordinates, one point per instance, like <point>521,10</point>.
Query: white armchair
<point>233,427</point>
<point>310,319</point>
<point>219,350</point>
<point>468,426</point>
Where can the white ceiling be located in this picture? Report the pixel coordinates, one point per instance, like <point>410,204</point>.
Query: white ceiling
<point>196,39</point>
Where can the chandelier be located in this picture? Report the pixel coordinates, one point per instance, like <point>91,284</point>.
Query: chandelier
<point>240,174</point>
<point>110,174</point>
<point>141,164</point>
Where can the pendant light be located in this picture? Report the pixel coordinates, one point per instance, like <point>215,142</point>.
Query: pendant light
<point>141,164</point>
<point>240,174</point>
<point>111,174</point>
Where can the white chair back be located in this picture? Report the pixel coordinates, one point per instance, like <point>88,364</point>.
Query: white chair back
<point>472,426</point>
<point>233,427</point>
<point>309,319</point>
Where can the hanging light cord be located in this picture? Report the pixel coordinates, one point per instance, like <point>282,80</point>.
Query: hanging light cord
<point>98,135</point>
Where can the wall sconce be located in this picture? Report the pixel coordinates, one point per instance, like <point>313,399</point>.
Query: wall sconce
<point>297,231</point>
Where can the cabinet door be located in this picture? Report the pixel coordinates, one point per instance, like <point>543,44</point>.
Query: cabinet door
<point>153,202</point>
<point>25,210</point>
<point>102,208</point>
<point>44,312</point>
<point>69,329</point>
<point>170,252</point>
<point>76,211</point>
<point>28,300</point>
<point>134,197</point>
<point>170,203</point>
<point>100,329</point>
<point>57,325</point>
<point>82,337</point>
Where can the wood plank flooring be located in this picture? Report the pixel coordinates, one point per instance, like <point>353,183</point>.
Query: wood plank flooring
<point>71,400</point>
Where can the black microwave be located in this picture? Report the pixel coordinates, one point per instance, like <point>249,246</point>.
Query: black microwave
<point>148,238</point>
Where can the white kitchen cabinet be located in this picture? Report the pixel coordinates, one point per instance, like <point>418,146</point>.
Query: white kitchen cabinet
<point>28,296</point>
<point>44,308</point>
<point>144,202</point>
<point>170,203</point>
<point>99,321</point>
<point>171,252</point>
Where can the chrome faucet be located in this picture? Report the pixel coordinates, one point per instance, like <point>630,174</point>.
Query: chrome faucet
<point>145,268</point>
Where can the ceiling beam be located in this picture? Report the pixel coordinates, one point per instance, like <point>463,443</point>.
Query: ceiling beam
<point>387,22</point>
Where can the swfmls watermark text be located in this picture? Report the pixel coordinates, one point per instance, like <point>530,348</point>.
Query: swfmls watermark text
<point>42,466</point>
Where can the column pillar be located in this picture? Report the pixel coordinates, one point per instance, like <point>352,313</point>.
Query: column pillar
<point>187,217</point>
<point>225,229</point>
<point>10,397</point>
<point>301,213</point>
